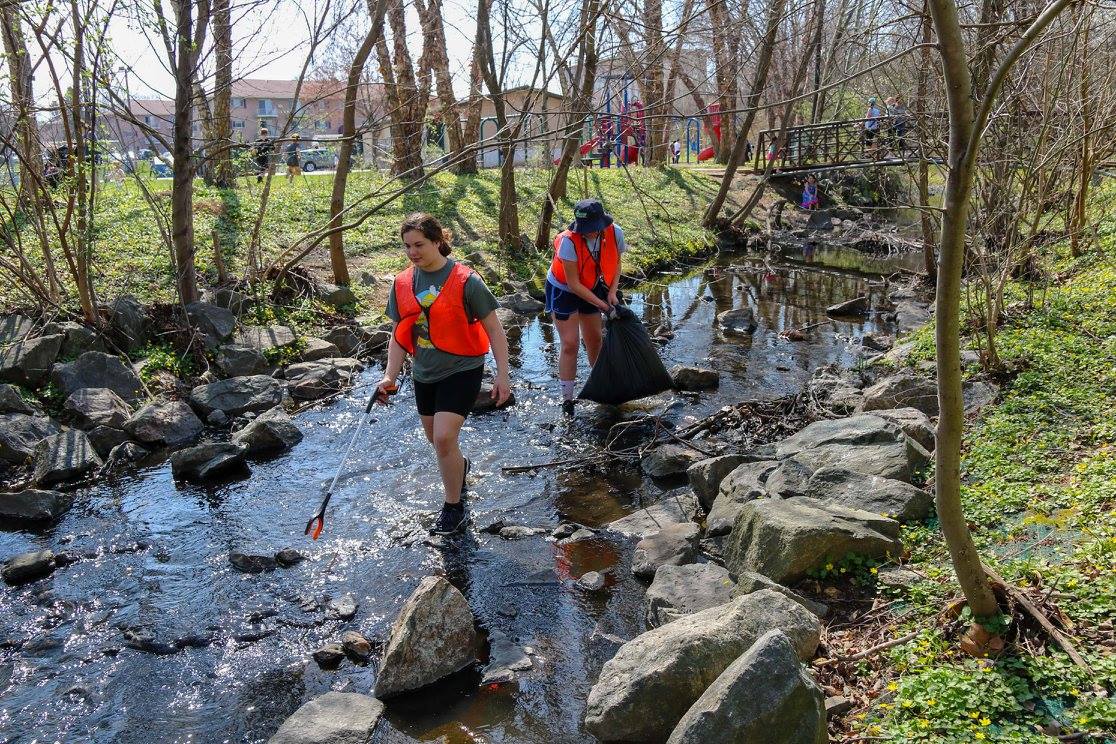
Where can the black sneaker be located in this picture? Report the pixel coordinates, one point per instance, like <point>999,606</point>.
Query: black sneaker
<point>450,521</point>
<point>567,408</point>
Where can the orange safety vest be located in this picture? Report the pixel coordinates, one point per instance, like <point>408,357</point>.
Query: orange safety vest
<point>589,270</point>
<point>451,330</point>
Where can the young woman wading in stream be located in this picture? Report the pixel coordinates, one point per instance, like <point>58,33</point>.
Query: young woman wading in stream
<point>582,284</point>
<point>445,318</point>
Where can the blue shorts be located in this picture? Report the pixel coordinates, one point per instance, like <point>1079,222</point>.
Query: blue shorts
<point>564,303</point>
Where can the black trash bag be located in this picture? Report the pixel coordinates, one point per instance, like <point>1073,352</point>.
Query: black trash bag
<point>628,367</point>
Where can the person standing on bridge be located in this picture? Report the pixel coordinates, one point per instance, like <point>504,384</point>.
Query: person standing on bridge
<point>583,282</point>
<point>900,120</point>
<point>445,317</point>
<point>872,128</point>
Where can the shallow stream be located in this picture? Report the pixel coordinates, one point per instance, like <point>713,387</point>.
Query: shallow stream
<point>157,552</point>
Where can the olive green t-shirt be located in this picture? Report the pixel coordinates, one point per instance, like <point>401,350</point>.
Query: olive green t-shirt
<point>432,365</point>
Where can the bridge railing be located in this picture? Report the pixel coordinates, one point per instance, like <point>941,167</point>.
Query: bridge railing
<point>849,142</point>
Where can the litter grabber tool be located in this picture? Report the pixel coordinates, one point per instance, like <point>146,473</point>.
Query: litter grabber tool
<point>317,522</point>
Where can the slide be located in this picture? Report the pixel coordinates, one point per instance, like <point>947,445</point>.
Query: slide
<point>705,154</point>
<point>585,149</point>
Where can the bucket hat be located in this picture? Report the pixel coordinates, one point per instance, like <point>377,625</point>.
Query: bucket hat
<point>589,216</point>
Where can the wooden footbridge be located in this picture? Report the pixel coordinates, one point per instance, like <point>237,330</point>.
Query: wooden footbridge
<point>844,145</point>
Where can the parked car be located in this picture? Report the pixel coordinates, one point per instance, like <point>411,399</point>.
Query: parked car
<point>317,157</point>
<point>160,169</point>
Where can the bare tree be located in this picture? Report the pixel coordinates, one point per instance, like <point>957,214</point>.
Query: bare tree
<point>407,93</point>
<point>376,10</point>
<point>966,128</point>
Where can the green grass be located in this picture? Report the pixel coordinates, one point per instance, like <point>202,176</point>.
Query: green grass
<point>1039,490</point>
<point>660,213</point>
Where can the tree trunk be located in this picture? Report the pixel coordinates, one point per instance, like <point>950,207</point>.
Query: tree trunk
<point>725,74</point>
<point>348,134</point>
<point>407,99</point>
<point>431,16</point>
<point>509,206</point>
<point>471,132</point>
<point>79,160</point>
<point>182,189</point>
<point>28,151</point>
<point>763,65</point>
<point>220,147</point>
<point>654,109</point>
<point>580,106</point>
<point>929,260</point>
<point>963,148</point>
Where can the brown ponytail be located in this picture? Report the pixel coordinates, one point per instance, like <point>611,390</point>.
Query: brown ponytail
<point>431,229</point>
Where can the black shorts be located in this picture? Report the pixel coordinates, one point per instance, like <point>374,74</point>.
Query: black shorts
<point>454,394</point>
<point>564,304</point>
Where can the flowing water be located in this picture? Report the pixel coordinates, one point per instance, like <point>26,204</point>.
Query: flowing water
<point>155,553</point>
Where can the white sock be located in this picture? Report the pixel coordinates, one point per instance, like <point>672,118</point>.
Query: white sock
<point>567,388</point>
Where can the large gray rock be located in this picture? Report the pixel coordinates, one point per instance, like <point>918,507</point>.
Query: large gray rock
<point>128,323</point>
<point>748,582</point>
<point>764,697</point>
<point>240,361</point>
<point>745,483</point>
<point>27,567</point>
<point>669,459</point>
<point>12,402</point>
<point>216,324</point>
<point>169,422</point>
<point>334,295</point>
<point>33,505</point>
<point>647,687</point>
<point>89,408</point>
<point>976,395</point>
<point>706,476</point>
<point>784,539</point>
<point>271,431</point>
<point>892,498</point>
<point>237,395</point>
<point>332,718</point>
<point>95,369</point>
<point>694,378</point>
<point>207,461</point>
<point>316,349</point>
<point>789,479</point>
<point>344,339</point>
<point>521,303</point>
<point>63,457</point>
<point>914,423</point>
<point>902,390</point>
<point>676,507</point>
<point>911,315</point>
<point>432,638</point>
<point>864,443</point>
<point>15,328</point>
<point>740,322</point>
<point>673,545</point>
<point>230,299</point>
<point>19,433</point>
<point>684,590</point>
<point>314,380</point>
<point>28,362</point>
<point>834,391</point>
<point>105,439</point>
<point>265,338</point>
<point>79,339</point>
<point>854,307</point>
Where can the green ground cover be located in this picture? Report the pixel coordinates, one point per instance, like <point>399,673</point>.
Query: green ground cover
<point>1039,490</point>
<point>660,208</point>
